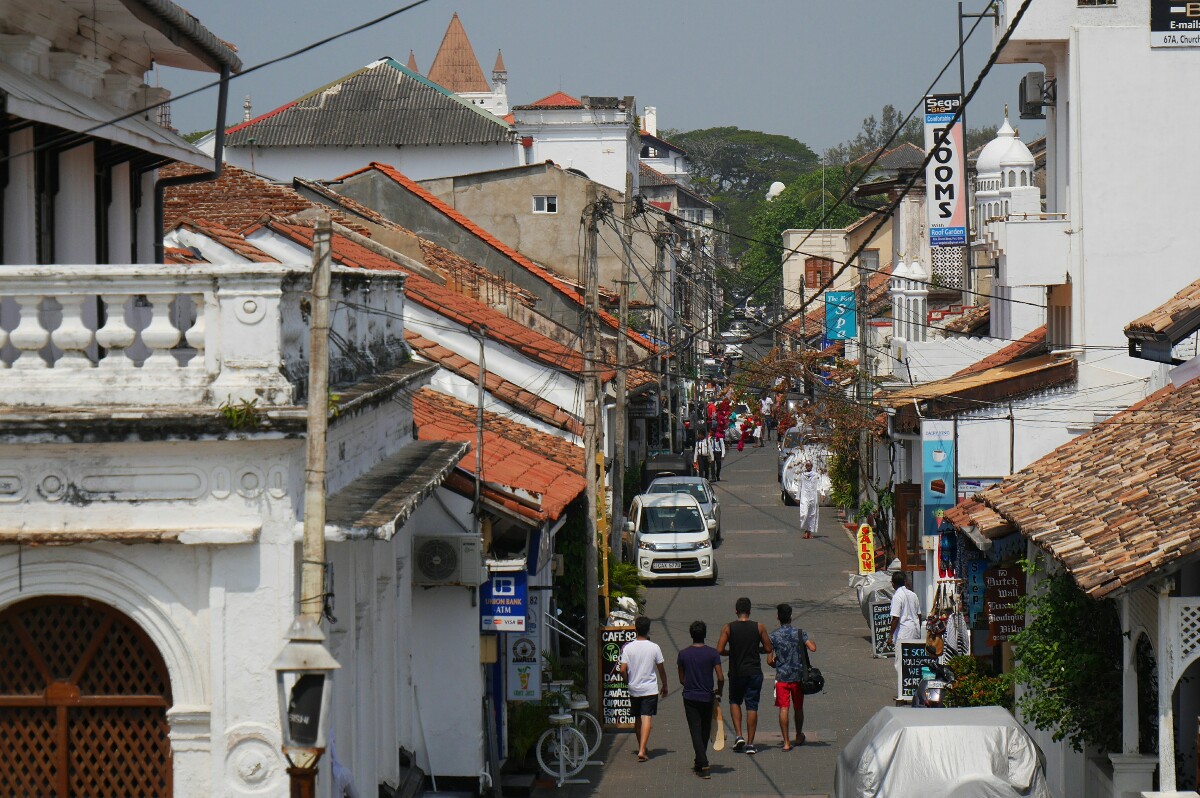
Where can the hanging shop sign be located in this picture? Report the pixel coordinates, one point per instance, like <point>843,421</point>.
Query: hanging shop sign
<point>881,630</point>
<point>937,476</point>
<point>913,657</point>
<point>841,316</point>
<point>1174,23</point>
<point>866,549</point>
<point>523,667</point>
<point>615,705</point>
<point>1002,588</point>
<point>503,601</point>
<point>945,187</point>
<point>974,590</point>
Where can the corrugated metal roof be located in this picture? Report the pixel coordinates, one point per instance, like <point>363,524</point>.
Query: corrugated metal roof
<point>382,104</point>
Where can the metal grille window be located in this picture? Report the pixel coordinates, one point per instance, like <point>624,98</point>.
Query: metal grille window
<point>545,203</point>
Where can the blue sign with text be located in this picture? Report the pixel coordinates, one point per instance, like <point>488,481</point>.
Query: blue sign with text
<point>841,316</point>
<point>503,600</point>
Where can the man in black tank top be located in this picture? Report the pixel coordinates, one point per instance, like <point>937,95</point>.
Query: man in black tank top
<point>744,641</point>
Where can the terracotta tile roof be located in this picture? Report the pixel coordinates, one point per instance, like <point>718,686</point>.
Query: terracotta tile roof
<point>1116,505</point>
<point>650,176</point>
<point>541,473</point>
<point>1032,344</point>
<point>236,199</point>
<point>497,386</point>
<point>556,100</point>
<point>443,300</point>
<point>1174,320</point>
<point>636,379</point>
<point>975,320</point>
<point>905,156</point>
<point>646,135</point>
<point>181,256</point>
<point>474,229</point>
<point>455,65</point>
<point>499,65</point>
<point>994,384</point>
<point>979,520</point>
<point>226,238</point>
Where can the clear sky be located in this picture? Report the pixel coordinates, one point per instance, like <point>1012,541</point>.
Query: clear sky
<point>811,69</point>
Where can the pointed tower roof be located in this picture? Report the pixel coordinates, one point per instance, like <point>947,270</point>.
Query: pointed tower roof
<point>455,66</point>
<point>499,67</point>
<point>412,62</point>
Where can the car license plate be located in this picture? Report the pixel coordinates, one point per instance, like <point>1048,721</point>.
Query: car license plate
<point>668,565</point>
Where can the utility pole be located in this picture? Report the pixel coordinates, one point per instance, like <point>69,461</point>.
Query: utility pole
<point>621,431</point>
<point>591,451</point>
<point>312,563</point>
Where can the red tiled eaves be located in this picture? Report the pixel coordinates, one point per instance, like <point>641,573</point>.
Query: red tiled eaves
<point>1033,343</point>
<point>548,470</point>
<point>483,235</point>
<point>260,117</point>
<point>558,99</point>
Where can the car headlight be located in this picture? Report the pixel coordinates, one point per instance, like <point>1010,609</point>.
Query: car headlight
<point>701,546</point>
<point>647,546</point>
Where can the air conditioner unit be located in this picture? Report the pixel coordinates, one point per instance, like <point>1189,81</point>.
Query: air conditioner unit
<point>446,560</point>
<point>1035,94</point>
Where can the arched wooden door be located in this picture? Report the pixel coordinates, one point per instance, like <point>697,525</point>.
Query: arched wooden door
<point>83,703</point>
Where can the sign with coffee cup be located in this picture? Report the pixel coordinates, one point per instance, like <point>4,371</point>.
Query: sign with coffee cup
<point>938,493</point>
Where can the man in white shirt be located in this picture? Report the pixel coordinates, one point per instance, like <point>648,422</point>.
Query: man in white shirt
<point>702,455</point>
<point>906,612</point>
<point>642,668</point>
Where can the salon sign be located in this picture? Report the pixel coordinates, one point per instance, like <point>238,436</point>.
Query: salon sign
<point>866,549</point>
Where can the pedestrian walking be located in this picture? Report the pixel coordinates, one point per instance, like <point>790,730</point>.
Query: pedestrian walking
<point>742,641</point>
<point>812,489</point>
<point>702,454</point>
<point>642,669</point>
<point>697,664</point>
<point>718,454</point>
<point>906,612</point>
<point>789,670</point>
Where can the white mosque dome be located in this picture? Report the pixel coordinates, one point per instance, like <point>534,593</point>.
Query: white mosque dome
<point>916,273</point>
<point>900,272</point>
<point>1004,151</point>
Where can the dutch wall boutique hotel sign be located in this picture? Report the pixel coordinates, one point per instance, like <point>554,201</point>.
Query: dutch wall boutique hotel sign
<point>944,184</point>
<point>1174,23</point>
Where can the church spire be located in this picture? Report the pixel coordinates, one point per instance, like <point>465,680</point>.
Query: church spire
<point>455,66</point>
<point>412,62</point>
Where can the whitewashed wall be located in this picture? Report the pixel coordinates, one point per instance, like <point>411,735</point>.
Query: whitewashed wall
<point>419,163</point>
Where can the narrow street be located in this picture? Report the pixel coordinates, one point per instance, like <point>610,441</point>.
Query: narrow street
<point>764,558</point>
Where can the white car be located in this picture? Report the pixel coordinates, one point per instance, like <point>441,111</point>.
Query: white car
<point>667,537</point>
<point>699,487</point>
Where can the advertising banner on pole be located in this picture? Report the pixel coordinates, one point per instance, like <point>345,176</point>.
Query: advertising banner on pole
<point>937,472</point>
<point>841,316</point>
<point>945,176</point>
<point>866,549</point>
<point>502,602</point>
<point>524,682</point>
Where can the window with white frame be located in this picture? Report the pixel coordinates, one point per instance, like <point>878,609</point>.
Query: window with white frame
<point>545,203</point>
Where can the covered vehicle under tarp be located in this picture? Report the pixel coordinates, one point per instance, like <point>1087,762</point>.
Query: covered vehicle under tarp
<point>978,752</point>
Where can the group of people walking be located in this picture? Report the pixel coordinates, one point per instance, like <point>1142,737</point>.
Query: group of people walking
<point>743,641</point>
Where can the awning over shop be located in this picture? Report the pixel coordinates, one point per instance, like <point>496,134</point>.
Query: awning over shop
<point>980,523</point>
<point>378,503</point>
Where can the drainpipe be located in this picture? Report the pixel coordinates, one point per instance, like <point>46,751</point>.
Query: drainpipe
<point>160,186</point>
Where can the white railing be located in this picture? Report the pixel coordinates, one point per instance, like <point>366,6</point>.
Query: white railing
<point>154,335</point>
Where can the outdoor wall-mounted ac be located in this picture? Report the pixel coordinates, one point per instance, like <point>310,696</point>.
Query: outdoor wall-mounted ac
<point>446,560</point>
<point>1035,94</point>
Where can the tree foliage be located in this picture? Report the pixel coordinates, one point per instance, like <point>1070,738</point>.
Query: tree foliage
<point>1069,662</point>
<point>875,134</point>
<point>801,206</point>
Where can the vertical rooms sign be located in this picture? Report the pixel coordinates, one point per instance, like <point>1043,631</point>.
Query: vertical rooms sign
<point>945,186</point>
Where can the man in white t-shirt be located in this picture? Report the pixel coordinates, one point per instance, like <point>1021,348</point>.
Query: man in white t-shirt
<point>642,668</point>
<point>906,612</point>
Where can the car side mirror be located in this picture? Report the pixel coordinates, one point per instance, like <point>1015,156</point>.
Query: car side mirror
<point>712,523</point>
<point>628,526</point>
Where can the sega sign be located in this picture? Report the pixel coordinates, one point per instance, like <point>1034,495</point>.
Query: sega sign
<point>945,186</point>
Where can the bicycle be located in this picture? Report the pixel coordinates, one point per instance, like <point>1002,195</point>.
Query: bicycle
<point>561,750</point>
<point>584,721</point>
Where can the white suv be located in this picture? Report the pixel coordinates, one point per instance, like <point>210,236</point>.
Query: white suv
<point>667,537</point>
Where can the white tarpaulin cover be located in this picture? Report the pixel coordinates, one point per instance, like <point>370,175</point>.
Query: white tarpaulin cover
<point>979,752</point>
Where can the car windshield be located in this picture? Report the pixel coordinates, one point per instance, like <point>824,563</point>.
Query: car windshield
<point>741,410</point>
<point>793,439</point>
<point>694,488</point>
<point>668,520</point>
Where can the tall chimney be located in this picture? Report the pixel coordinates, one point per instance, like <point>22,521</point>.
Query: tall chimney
<point>650,120</point>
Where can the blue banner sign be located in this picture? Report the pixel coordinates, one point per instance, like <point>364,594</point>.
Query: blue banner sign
<point>841,317</point>
<point>502,602</point>
<point>937,473</point>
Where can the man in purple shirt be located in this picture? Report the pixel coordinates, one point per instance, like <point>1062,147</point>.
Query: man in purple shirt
<point>697,664</point>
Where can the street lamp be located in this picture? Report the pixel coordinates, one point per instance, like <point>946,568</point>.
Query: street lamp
<point>304,673</point>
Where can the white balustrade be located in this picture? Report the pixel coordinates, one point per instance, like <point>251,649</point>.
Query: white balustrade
<point>154,335</point>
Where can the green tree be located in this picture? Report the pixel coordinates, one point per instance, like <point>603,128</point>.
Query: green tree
<point>195,135</point>
<point>1069,663</point>
<point>875,133</point>
<point>801,206</point>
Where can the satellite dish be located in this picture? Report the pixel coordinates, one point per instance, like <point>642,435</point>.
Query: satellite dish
<point>775,190</point>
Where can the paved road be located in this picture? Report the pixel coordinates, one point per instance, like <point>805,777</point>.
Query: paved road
<point>764,558</point>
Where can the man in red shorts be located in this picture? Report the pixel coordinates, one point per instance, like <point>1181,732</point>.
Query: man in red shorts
<point>789,669</point>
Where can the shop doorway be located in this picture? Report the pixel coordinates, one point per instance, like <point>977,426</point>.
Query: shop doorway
<point>83,703</point>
